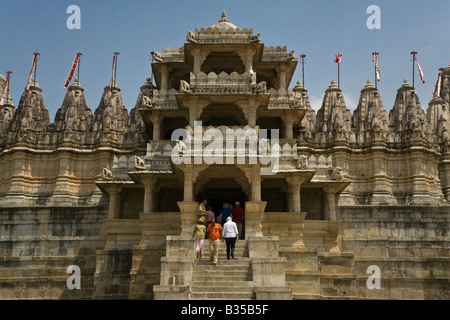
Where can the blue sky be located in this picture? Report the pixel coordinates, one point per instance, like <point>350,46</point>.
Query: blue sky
<point>319,29</point>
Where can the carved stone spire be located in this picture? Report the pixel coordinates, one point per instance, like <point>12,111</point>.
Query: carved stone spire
<point>438,116</point>
<point>407,117</point>
<point>6,115</point>
<point>31,117</point>
<point>74,114</point>
<point>137,132</point>
<point>110,117</point>
<point>333,121</point>
<point>308,122</point>
<point>445,85</point>
<point>370,120</point>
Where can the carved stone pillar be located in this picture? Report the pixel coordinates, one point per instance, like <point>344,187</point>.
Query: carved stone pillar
<point>330,198</point>
<point>249,110</point>
<point>191,172</point>
<point>199,57</point>
<point>254,212</point>
<point>156,120</point>
<point>189,214</point>
<point>195,110</point>
<point>247,57</point>
<point>282,78</point>
<point>288,121</point>
<point>149,186</point>
<point>188,185</point>
<point>331,201</point>
<point>294,201</point>
<point>251,119</point>
<point>254,177</point>
<point>164,78</point>
<point>114,195</point>
<point>197,62</point>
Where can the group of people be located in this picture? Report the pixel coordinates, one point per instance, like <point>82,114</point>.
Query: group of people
<point>227,226</point>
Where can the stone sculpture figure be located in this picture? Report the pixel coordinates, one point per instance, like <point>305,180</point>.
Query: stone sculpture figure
<point>191,37</point>
<point>184,86</point>
<point>157,57</point>
<point>107,174</point>
<point>302,162</point>
<point>291,55</point>
<point>261,87</point>
<point>139,163</point>
<point>336,173</point>
<point>181,147</point>
<point>146,101</point>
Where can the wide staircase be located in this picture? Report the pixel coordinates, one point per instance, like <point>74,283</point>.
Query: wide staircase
<point>228,280</point>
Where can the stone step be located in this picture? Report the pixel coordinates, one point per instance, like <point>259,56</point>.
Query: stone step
<point>239,276</point>
<point>220,262</point>
<point>223,249</point>
<point>219,283</point>
<point>221,289</point>
<point>336,270</point>
<point>305,296</point>
<point>220,267</point>
<point>227,274</point>
<point>340,298</point>
<point>221,295</point>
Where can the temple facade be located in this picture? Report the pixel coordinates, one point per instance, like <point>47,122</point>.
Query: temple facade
<point>326,194</point>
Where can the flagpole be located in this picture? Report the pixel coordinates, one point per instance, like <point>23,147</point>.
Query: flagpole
<point>339,77</point>
<point>115,67</point>
<point>374,55</point>
<point>79,62</point>
<point>35,67</point>
<point>413,54</point>
<point>303,56</point>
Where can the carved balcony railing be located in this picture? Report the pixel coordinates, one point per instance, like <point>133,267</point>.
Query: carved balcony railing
<point>174,54</point>
<point>277,54</point>
<point>222,84</point>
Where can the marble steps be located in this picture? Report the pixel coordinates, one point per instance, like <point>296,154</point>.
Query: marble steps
<point>228,280</point>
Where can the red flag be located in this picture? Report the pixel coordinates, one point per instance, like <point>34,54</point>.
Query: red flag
<point>27,88</point>
<point>5,91</point>
<point>112,74</point>
<point>419,68</point>
<point>438,84</point>
<point>72,71</point>
<point>376,66</point>
<point>338,58</point>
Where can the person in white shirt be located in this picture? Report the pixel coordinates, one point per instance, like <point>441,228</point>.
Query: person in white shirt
<point>230,234</point>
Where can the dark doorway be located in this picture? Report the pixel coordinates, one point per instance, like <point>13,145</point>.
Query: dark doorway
<point>218,196</point>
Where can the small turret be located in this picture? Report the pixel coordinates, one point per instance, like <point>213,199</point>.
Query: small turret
<point>333,120</point>
<point>111,116</point>
<point>74,114</point>
<point>31,113</point>
<point>370,120</point>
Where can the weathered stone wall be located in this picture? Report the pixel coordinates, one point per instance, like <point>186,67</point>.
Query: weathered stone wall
<point>37,245</point>
<point>410,245</point>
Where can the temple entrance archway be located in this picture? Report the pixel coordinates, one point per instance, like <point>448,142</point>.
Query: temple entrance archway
<point>222,183</point>
<point>223,114</point>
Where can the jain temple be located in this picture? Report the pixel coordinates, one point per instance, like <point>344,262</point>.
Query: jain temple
<point>328,196</point>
